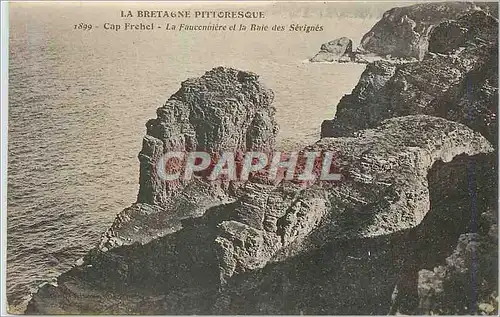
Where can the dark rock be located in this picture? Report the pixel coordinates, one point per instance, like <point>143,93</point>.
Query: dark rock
<point>451,35</point>
<point>338,50</point>
<point>464,208</point>
<point>447,37</point>
<point>404,31</point>
<point>359,109</point>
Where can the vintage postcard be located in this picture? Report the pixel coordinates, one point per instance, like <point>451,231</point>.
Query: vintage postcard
<point>250,158</point>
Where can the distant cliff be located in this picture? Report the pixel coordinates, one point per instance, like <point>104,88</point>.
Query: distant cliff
<point>405,31</point>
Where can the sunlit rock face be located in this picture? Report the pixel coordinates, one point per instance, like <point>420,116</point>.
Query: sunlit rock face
<point>223,110</point>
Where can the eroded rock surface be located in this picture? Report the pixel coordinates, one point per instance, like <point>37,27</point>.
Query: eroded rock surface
<point>361,245</point>
<point>380,275</point>
<point>384,190</point>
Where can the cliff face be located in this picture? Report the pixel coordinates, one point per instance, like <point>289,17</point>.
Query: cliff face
<point>460,85</point>
<point>404,32</point>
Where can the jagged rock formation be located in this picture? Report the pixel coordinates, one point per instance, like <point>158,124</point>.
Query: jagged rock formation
<point>461,86</point>
<point>225,109</point>
<point>335,51</point>
<point>404,32</point>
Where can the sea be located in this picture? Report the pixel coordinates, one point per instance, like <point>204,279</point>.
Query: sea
<point>79,101</point>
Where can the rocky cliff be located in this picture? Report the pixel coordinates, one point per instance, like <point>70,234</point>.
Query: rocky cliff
<point>404,32</point>
<point>411,220</point>
<point>457,80</point>
<point>223,110</point>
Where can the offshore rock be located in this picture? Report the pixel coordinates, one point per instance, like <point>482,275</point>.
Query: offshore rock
<point>223,110</point>
<point>461,86</point>
<point>404,32</point>
<point>335,51</point>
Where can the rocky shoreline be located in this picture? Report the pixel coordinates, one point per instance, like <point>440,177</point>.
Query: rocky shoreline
<point>411,228</point>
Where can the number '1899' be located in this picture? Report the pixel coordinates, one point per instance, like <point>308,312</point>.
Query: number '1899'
<point>83,26</point>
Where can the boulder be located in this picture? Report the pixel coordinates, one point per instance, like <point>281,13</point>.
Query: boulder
<point>338,50</point>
